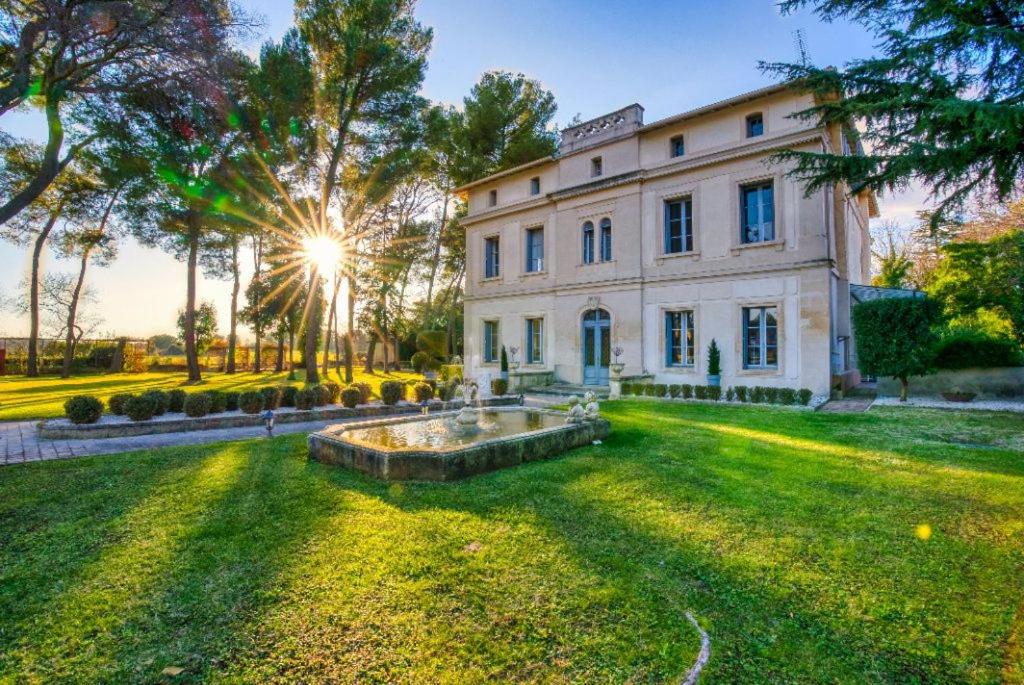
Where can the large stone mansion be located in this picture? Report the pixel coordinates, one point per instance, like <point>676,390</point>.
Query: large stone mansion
<point>657,238</point>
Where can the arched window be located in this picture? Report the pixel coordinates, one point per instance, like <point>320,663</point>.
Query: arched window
<point>588,243</point>
<point>606,240</point>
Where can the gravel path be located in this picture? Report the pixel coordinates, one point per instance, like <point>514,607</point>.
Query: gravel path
<point>939,403</point>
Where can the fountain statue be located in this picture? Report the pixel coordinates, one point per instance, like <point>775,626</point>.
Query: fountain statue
<point>467,420</point>
<point>591,412</point>
<point>575,414</point>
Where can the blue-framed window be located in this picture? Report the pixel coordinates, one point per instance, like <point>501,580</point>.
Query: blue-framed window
<point>535,341</point>
<point>534,250</point>
<point>678,225</point>
<point>760,338</point>
<point>588,242</point>
<point>491,350</point>
<point>679,339</point>
<point>492,257</point>
<point>678,146</point>
<point>757,212</point>
<point>755,125</point>
<point>606,240</point>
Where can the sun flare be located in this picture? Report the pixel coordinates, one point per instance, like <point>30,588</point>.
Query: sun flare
<point>323,252</point>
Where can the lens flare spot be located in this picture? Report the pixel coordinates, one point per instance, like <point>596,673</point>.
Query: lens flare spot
<point>923,531</point>
<point>323,252</point>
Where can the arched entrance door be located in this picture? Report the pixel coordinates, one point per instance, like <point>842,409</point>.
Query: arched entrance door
<point>597,344</point>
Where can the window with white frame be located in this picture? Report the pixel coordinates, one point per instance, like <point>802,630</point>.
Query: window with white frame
<point>588,242</point>
<point>491,343</point>
<point>535,341</point>
<point>606,239</point>
<point>492,257</point>
<point>679,339</point>
<point>760,338</point>
<point>534,250</point>
<point>678,225</point>
<point>757,212</point>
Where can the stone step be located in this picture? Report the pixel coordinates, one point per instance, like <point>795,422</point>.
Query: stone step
<point>566,389</point>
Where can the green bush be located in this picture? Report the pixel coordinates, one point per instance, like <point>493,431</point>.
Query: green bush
<point>365,392</point>
<point>176,401</point>
<point>714,392</point>
<point>700,392</point>
<point>141,407</point>
<point>894,338</point>
<point>627,388</point>
<point>787,396</point>
<point>757,394</point>
<point>646,389</point>
<point>660,389</point>
<point>251,402</point>
<point>350,397</point>
<point>231,400</point>
<point>771,395</point>
<point>160,401</point>
<point>499,386</point>
<point>116,403</point>
<point>218,401</point>
<point>714,359</point>
<point>804,396</point>
<point>271,395</point>
<point>966,349</point>
<point>674,390</point>
<point>323,394</point>
<point>423,392</point>
<point>391,392</point>
<point>446,390</point>
<point>741,393</point>
<point>306,399</point>
<point>288,393</point>
<point>198,404</point>
<point>451,372</point>
<point>334,391</point>
<point>83,409</point>
<point>686,391</point>
<point>730,395</point>
<point>418,361</point>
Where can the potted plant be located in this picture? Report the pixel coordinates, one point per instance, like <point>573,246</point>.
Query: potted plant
<point>504,363</point>
<point>617,366</point>
<point>714,365</point>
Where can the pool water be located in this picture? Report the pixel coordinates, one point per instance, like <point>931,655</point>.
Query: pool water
<point>442,433</point>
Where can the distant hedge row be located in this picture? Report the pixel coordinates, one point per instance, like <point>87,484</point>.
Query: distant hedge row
<point>741,393</point>
<point>143,407</point>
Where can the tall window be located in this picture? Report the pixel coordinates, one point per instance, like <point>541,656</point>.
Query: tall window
<point>491,352</point>
<point>679,338</point>
<point>535,185</point>
<point>588,242</point>
<point>678,226</point>
<point>677,146</point>
<point>757,219</point>
<point>492,198</point>
<point>535,341</point>
<point>596,167</point>
<point>492,257</point>
<point>760,338</point>
<point>535,250</point>
<point>606,240</point>
<point>755,125</point>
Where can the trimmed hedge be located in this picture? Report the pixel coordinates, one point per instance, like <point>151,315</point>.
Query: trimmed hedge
<point>714,392</point>
<point>116,403</point>
<point>83,409</point>
<point>741,393</point>
<point>251,402</point>
<point>176,401</point>
<point>969,349</point>
<point>334,391</point>
<point>306,399</point>
<point>499,386</point>
<point>365,392</point>
<point>391,392</point>
<point>423,392</point>
<point>159,399</point>
<point>141,407</point>
<point>198,404</point>
<point>231,400</point>
<point>350,397</point>
<point>271,395</point>
<point>288,393</point>
<point>804,396</point>
<point>218,401</point>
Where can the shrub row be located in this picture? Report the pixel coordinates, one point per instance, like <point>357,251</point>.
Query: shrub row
<point>740,393</point>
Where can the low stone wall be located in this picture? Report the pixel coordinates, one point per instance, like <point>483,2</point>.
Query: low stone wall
<point>990,384</point>
<point>120,427</point>
<point>521,380</point>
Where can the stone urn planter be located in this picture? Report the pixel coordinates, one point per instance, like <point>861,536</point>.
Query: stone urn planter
<point>616,369</point>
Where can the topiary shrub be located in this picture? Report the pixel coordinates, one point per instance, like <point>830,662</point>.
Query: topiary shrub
<point>626,388</point>
<point>966,349</point>
<point>198,404</point>
<point>757,394</point>
<point>160,401</point>
<point>218,401</point>
<point>334,391</point>
<point>306,399</point>
<point>141,407</point>
<point>271,395</point>
<point>288,393</point>
<point>787,396</point>
<point>446,391</point>
<point>251,402</point>
<point>771,395</point>
<point>645,389</point>
<point>894,338</point>
<point>322,396</point>
<point>116,403</point>
<point>714,393</point>
<point>231,400</point>
<point>700,392</point>
<point>741,393</point>
<point>391,392</point>
<point>83,409</point>
<point>686,390</point>
<point>423,392</point>
<point>350,397</point>
<point>418,361</point>
<point>660,390</point>
<point>499,386</point>
<point>804,396</point>
<point>730,395</point>
<point>365,392</point>
<point>176,401</point>
<point>674,390</point>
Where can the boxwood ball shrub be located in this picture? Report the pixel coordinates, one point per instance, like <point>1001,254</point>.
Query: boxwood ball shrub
<point>391,392</point>
<point>335,391</point>
<point>686,390</point>
<point>499,386</point>
<point>804,396</point>
<point>787,396</point>
<point>771,395</point>
<point>288,393</point>
<point>116,403</point>
<point>160,401</point>
<point>423,392</point>
<point>271,397</point>
<point>141,407</point>
<point>741,393</point>
<point>350,397</point>
<point>251,402</point>
<point>231,401</point>
<point>757,395</point>
<point>306,399</point>
<point>730,395</point>
<point>674,390</point>
<point>700,392</point>
<point>365,392</point>
<point>176,401</point>
<point>198,404</point>
<point>446,390</point>
<point>660,389</point>
<point>323,394</point>
<point>83,409</point>
<point>714,392</point>
<point>218,401</point>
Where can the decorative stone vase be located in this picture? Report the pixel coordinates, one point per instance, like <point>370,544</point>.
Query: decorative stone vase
<point>616,369</point>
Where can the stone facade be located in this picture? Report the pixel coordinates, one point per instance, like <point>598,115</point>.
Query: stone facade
<point>616,170</point>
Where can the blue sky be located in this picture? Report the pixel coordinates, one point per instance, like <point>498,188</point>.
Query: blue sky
<point>596,56</point>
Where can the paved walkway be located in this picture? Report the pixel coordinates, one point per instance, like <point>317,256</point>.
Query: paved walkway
<point>849,405</point>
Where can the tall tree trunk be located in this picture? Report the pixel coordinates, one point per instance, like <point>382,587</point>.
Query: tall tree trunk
<point>279,362</point>
<point>291,354</point>
<point>350,352</point>
<point>312,329</point>
<point>32,366</point>
<point>337,345</point>
<point>191,350</point>
<point>434,263</point>
<point>330,324</point>
<point>236,284</point>
<point>257,328</point>
<point>371,352</point>
<point>70,341</point>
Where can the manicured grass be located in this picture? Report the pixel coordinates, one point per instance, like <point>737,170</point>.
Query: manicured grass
<point>44,397</point>
<point>796,539</point>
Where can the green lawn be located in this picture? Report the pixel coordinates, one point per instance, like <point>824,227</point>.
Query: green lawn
<point>792,536</point>
<point>44,397</point>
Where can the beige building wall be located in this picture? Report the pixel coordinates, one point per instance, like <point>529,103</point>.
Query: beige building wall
<point>804,272</point>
